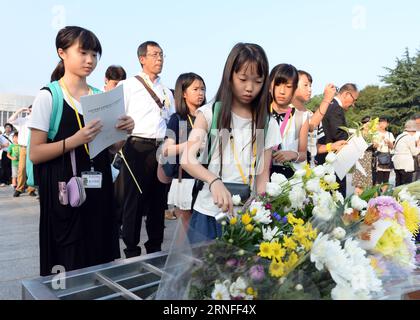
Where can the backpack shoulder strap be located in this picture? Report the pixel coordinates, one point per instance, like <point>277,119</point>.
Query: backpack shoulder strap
<point>57,108</point>
<point>213,129</point>
<point>95,90</point>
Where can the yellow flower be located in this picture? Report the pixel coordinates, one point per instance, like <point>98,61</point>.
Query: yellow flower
<point>249,228</point>
<point>291,219</point>
<point>306,244</point>
<point>246,219</point>
<point>277,251</point>
<point>308,170</point>
<point>276,269</point>
<point>254,212</point>
<point>265,250</point>
<point>292,261</point>
<point>233,221</point>
<point>289,243</point>
<point>250,291</point>
<point>411,216</point>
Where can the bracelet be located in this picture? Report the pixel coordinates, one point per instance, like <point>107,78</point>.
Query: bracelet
<point>329,147</point>
<point>298,156</point>
<point>214,182</point>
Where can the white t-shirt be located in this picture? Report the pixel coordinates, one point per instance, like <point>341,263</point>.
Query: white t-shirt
<point>42,109</point>
<point>242,132</point>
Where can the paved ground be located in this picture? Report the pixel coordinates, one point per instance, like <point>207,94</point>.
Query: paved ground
<point>19,252</point>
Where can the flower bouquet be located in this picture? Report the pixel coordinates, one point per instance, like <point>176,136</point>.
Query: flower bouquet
<point>303,240</point>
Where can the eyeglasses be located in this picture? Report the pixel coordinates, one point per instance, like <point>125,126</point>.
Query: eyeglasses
<point>156,55</point>
<point>354,100</point>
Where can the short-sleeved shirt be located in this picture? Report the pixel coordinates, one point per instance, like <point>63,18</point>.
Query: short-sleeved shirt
<point>13,150</point>
<point>179,129</point>
<point>242,136</point>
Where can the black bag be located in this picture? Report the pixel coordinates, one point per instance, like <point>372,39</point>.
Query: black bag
<point>240,189</point>
<point>384,158</point>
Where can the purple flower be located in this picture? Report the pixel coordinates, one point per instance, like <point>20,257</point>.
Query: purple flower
<point>257,272</point>
<point>231,263</point>
<point>284,219</point>
<point>276,216</point>
<point>387,207</point>
<point>268,206</point>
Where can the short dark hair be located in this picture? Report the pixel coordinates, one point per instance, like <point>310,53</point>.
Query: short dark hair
<point>304,73</point>
<point>8,124</point>
<point>142,49</point>
<point>116,73</point>
<point>383,119</point>
<point>16,134</point>
<point>348,87</point>
<point>416,116</point>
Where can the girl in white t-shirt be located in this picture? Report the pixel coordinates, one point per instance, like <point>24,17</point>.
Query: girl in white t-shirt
<point>241,153</point>
<point>283,84</point>
<point>84,236</point>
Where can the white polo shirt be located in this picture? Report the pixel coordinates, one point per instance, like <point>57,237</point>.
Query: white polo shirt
<point>150,120</point>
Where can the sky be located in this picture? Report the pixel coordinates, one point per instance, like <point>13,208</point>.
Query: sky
<point>336,41</point>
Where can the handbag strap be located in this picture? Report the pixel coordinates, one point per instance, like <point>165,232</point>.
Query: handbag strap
<point>151,92</point>
<point>73,162</point>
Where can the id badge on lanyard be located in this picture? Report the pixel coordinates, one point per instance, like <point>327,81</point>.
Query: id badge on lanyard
<point>92,179</point>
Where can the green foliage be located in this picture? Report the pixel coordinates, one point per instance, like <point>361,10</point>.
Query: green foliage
<point>398,99</point>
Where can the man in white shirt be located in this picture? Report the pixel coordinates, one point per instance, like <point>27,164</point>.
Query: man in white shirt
<point>150,104</point>
<point>22,124</point>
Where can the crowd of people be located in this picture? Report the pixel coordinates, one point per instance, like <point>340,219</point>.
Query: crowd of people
<point>181,151</point>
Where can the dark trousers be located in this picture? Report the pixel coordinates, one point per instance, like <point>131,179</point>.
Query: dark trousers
<point>6,168</point>
<point>382,177</point>
<point>403,177</point>
<point>141,157</point>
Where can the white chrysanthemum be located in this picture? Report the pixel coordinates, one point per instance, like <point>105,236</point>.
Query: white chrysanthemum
<point>331,157</point>
<point>220,292</point>
<point>273,189</point>
<point>278,178</point>
<point>319,171</point>
<point>313,185</point>
<point>339,233</point>
<point>338,197</point>
<point>296,181</point>
<point>405,195</point>
<point>236,199</point>
<point>262,215</point>
<point>322,213</point>
<point>329,169</point>
<point>357,203</point>
<point>300,173</point>
<point>297,197</point>
<point>349,267</point>
<point>238,288</point>
<point>330,178</point>
<point>270,234</point>
<point>343,292</point>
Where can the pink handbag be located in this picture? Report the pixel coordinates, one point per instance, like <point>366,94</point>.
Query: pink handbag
<point>75,189</point>
<point>74,192</point>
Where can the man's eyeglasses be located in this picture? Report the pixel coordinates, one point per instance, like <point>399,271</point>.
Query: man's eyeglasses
<point>156,55</point>
<point>354,100</point>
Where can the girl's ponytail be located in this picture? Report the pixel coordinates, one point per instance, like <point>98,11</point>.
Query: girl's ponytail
<point>58,73</point>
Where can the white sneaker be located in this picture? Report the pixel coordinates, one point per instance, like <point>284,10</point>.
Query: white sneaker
<point>2,185</point>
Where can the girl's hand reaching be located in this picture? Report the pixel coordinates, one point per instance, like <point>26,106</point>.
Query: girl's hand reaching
<point>125,123</point>
<point>285,156</point>
<point>221,196</point>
